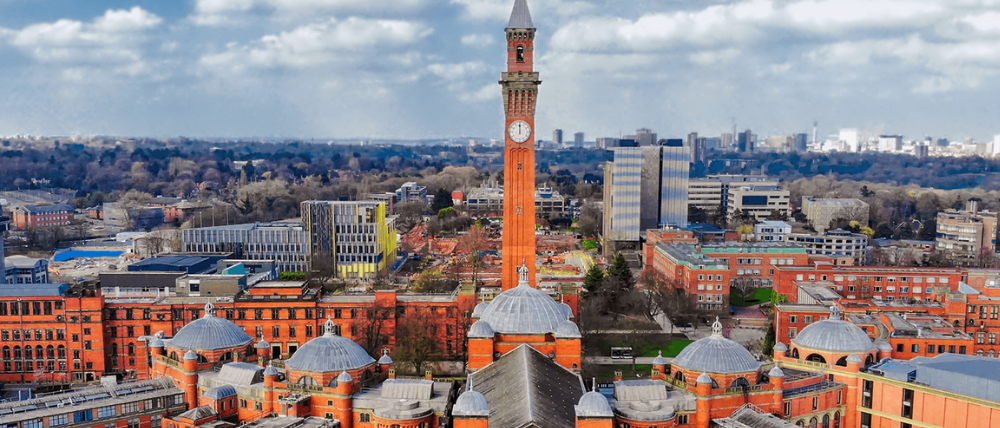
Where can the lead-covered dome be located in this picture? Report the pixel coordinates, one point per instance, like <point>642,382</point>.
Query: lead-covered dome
<point>210,333</point>
<point>329,353</point>
<point>471,403</point>
<point>594,405</point>
<point>525,310</point>
<point>716,354</point>
<point>834,335</point>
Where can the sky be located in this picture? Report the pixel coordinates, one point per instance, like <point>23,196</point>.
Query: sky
<point>425,69</point>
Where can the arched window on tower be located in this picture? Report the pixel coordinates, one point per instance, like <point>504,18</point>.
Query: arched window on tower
<point>520,54</point>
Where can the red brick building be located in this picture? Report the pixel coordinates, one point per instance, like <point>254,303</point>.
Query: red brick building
<point>26,216</point>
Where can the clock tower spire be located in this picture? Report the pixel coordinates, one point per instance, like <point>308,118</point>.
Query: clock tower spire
<point>520,90</point>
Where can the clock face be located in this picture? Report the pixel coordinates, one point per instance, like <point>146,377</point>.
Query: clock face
<point>519,131</point>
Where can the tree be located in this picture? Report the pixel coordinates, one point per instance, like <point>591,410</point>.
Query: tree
<point>132,204</point>
<point>593,280</point>
<point>680,308</point>
<point>442,200</point>
<point>410,213</point>
<point>373,337</point>
<point>928,230</point>
<point>697,215</point>
<point>769,340</point>
<point>619,269</point>
<point>636,336</point>
<point>415,335</point>
<point>473,244</point>
<point>744,288</point>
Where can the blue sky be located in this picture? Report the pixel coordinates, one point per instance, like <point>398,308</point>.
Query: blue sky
<point>429,68</point>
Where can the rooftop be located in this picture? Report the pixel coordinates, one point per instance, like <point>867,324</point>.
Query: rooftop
<point>56,404</point>
<point>33,290</point>
<point>967,375</point>
<point>689,255</point>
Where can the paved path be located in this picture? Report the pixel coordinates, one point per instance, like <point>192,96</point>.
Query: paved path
<point>621,361</point>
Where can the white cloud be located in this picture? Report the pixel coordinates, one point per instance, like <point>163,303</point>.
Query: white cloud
<point>500,9</point>
<point>119,21</point>
<point>317,44</point>
<point>477,40</point>
<point>837,15</point>
<point>714,57</point>
<point>227,12</point>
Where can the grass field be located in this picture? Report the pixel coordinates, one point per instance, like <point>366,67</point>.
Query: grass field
<point>760,295</point>
<point>589,244</point>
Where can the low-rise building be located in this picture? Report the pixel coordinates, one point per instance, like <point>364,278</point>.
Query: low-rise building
<point>772,231</point>
<point>964,234</point>
<point>840,244</point>
<point>411,191</point>
<point>821,211</point>
<point>757,201</point>
<point>712,192</point>
<point>285,242</point>
<point>26,216</point>
<point>25,270</point>
<point>488,200</point>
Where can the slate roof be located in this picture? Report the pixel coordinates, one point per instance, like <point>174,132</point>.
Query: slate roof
<point>210,333</point>
<point>198,413</point>
<point>520,17</point>
<point>717,354</point>
<point>834,335</point>
<point>524,388</point>
<point>46,209</point>
<point>524,310</point>
<point>329,353</point>
<point>748,417</point>
<point>412,389</point>
<point>220,392</point>
<point>241,373</point>
<point>968,375</point>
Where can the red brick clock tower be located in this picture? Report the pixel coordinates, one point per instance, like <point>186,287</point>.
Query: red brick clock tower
<point>520,90</point>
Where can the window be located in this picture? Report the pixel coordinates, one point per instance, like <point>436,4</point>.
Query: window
<point>276,331</point>
<point>365,417</point>
<point>275,314</point>
<point>132,407</point>
<point>106,412</point>
<point>866,398</point>
<point>899,347</point>
<point>37,423</point>
<point>309,331</point>
<point>907,403</point>
<point>133,423</point>
<point>793,319</point>
<point>788,408</point>
<point>808,319</point>
<point>682,420</point>
<point>57,420</point>
<point>915,348</point>
<point>792,332</point>
<point>866,420</point>
<point>815,402</point>
<point>291,331</point>
<point>86,415</point>
<point>840,397</point>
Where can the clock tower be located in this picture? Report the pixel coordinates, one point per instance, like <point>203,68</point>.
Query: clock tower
<point>520,90</point>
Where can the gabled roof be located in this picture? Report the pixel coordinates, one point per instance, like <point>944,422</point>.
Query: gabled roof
<point>244,374</point>
<point>520,17</point>
<point>525,388</point>
<point>411,389</point>
<point>750,417</point>
<point>198,413</point>
<point>45,209</point>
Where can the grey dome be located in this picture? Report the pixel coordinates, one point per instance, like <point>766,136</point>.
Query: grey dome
<point>156,343</point>
<point>854,358</point>
<point>593,404</point>
<point>210,333</point>
<point>660,360</point>
<point>716,354</point>
<point>345,377</point>
<point>481,330</point>
<point>776,372</point>
<point>704,379</point>
<point>190,355</point>
<point>478,312</point>
<point>220,392</point>
<point>524,309</point>
<point>329,353</point>
<point>780,347</point>
<point>885,346</point>
<point>271,371</point>
<point>386,360</point>
<point>568,330</point>
<point>262,344</point>
<point>834,335</point>
<point>471,403</point>
<point>567,309</point>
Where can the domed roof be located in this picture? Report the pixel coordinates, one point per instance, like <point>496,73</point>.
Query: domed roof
<point>524,309</point>
<point>220,392</point>
<point>780,347</point>
<point>854,358</point>
<point>345,377</point>
<point>594,404</point>
<point>567,309</point>
<point>156,343</point>
<point>480,330</point>
<point>478,312</point>
<point>834,335</point>
<point>190,355</point>
<point>262,344</point>
<point>271,371</point>
<point>385,360</point>
<point>471,403</point>
<point>210,333</point>
<point>885,346</point>
<point>329,353</point>
<point>776,372</point>
<point>704,379</point>
<point>568,330</point>
<point>660,360</point>
<point>716,354</point>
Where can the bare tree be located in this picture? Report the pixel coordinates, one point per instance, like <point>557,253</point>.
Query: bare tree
<point>373,337</point>
<point>637,336</point>
<point>132,204</point>
<point>416,338</point>
<point>745,287</point>
<point>473,244</point>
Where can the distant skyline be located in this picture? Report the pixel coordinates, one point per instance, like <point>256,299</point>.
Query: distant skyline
<point>425,69</point>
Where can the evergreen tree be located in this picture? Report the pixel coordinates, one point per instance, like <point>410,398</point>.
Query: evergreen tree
<point>442,200</point>
<point>592,282</point>
<point>769,340</point>
<point>619,269</point>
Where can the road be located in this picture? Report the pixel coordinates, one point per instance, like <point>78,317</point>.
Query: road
<point>622,361</point>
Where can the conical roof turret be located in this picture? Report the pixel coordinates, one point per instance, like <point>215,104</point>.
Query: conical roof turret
<point>520,17</point>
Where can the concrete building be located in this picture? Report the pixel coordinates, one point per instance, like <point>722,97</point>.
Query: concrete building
<point>132,218</point>
<point>578,140</point>
<point>26,216</point>
<point>821,211</point>
<point>285,242</point>
<point>411,191</point>
<point>837,243</point>
<point>26,270</point>
<point>607,143</point>
<point>711,192</point>
<point>772,231</point>
<point>757,201</point>
<point>557,137</point>
<point>488,199</point>
<point>964,234</point>
<point>890,143</point>
<point>801,142</point>
<point>746,142</point>
<point>359,238</point>
<point>645,137</point>
<point>648,190</point>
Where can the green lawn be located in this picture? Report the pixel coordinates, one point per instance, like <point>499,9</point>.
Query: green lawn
<point>589,244</point>
<point>675,347</point>
<point>760,295</point>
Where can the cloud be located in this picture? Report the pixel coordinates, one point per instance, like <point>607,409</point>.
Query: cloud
<point>230,12</point>
<point>322,43</point>
<point>840,15</point>
<point>714,57</point>
<point>497,10</point>
<point>477,40</point>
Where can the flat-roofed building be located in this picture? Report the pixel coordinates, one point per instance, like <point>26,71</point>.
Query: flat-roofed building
<point>821,211</point>
<point>26,270</point>
<point>357,237</point>
<point>711,192</point>
<point>839,243</point>
<point>964,234</point>
<point>285,242</point>
<point>758,202</point>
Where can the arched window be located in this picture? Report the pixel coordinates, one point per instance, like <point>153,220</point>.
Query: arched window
<point>307,380</point>
<point>50,351</point>
<point>114,349</point>
<point>130,349</point>
<point>795,353</point>
<point>869,360</point>
<point>836,419</point>
<point>842,362</point>
<point>173,356</point>
<point>816,358</point>
<point>39,353</point>
<point>27,352</point>
<point>826,421</point>
<point>740,383</point>
<point>813,423</point>
<point>520,54</point>
<point>202,359</point>
<point>6,352</point>
<point>801,423</point>
<point>62,351</point>
<point>679,375</point>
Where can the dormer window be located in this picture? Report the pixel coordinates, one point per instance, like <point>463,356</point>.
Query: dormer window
<point>520,54</point>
